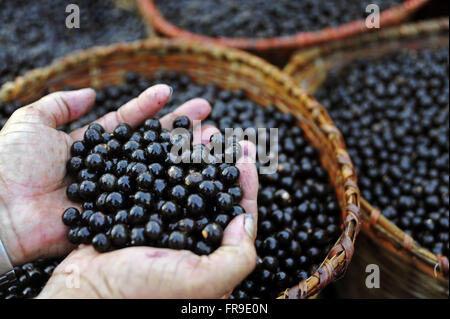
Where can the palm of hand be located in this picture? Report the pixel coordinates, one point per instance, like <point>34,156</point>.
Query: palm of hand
<point>32,161</point>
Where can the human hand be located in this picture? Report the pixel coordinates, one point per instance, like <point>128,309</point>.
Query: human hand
<point>161,272</point>
<point>33,156</point>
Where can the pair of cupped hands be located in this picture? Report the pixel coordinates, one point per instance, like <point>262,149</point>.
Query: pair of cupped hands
<point>33,156</point>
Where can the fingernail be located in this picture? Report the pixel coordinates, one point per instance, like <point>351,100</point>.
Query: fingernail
<point>85,90</point>
<point>80,92</point>
<point>249,225</point>
<point>152,91</point>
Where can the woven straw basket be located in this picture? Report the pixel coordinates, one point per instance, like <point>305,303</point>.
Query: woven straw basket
<point>230,69</point>
<point>407,270</point>
<point>388,17</point>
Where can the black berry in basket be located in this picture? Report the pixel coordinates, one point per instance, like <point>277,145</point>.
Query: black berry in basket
<point>397,137</point>
<point>31,279</point>
<point>263,18</point>
<point>47,37</point>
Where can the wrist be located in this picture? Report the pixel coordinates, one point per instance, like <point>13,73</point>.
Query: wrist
<point>8,237</point>
<point>5,260</point>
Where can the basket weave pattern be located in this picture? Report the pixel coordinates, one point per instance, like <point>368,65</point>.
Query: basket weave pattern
<point>310,67</point>
<point>388,17</point>
<point>229,69</point>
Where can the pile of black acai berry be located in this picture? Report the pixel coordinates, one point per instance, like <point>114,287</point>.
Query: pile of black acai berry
<point>33,35</point>
<point>136,190</point>
<point>31,279</point>
<point>264,18</point>
<point>297,203</point>
<point>394,115</point>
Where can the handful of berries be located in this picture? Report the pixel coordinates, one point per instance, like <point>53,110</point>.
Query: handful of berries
<point>135,191</point>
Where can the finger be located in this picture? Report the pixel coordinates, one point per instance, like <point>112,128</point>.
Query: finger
<point>57,108</point>
<point>234,260</point>
<point>248,178</point>
<point>202,134</point>
<point>195,109</point>
<point>146,105</point>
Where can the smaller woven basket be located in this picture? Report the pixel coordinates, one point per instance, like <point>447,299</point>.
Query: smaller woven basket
<point>407,270</point>
<point>388,17</point>
<point>229,69</point>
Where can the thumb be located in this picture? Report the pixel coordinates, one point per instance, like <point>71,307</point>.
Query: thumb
<point>236,258</point>
<point>57,108</point>
<point>231,263</point>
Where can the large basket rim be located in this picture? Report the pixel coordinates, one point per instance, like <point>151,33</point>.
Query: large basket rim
<point>374,224</point>
<point>388,17</point>
<point>337,260</point>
